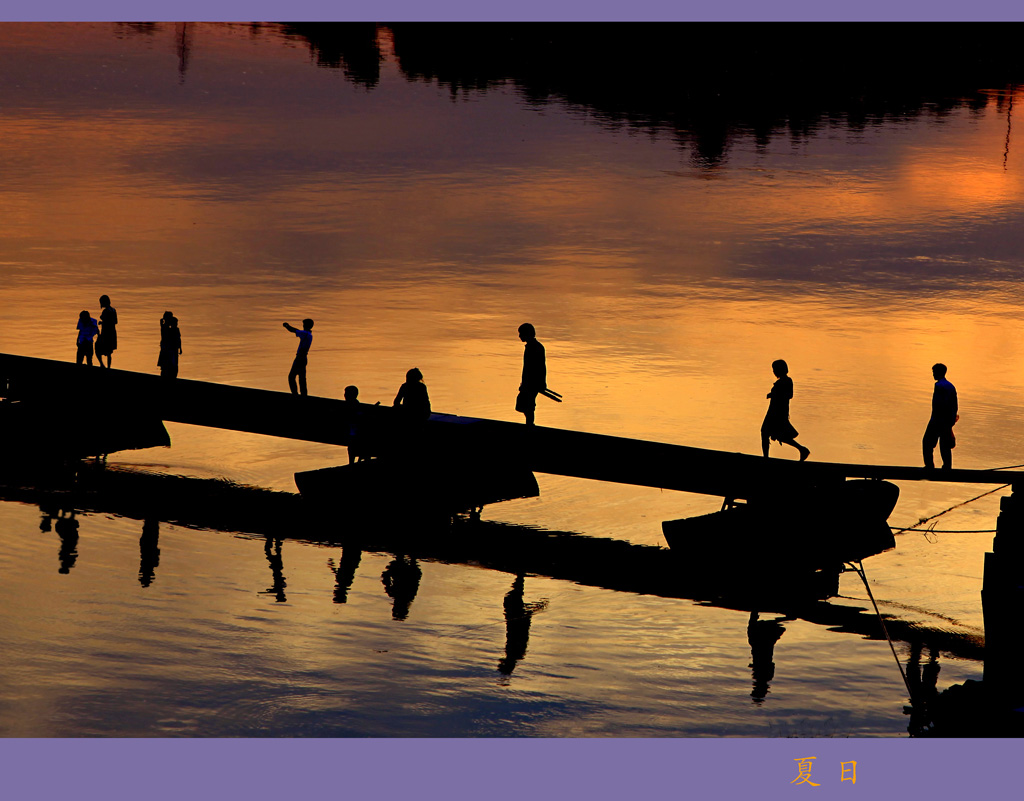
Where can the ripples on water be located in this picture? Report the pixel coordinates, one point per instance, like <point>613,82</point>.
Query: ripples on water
<point>420,196</point>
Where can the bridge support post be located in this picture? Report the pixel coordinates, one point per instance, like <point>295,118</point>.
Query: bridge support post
<point>1002,600</point>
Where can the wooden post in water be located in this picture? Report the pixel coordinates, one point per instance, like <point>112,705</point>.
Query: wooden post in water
<point>1002,600</point>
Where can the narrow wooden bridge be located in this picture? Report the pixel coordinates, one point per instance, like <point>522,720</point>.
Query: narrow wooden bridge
<point>58,387</point>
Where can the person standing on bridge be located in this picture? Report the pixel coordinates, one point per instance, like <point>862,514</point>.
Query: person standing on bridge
<point>106,342</point>
<point>535,373</point>
<point>170,346</point>
<point>298,370</point>
<point>87,329</point>
<point>776,423</point>
<point>940,426</point>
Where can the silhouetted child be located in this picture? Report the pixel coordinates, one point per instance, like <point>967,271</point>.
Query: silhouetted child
<point>87,329</point>
<point>106,342</point>
<point>940,425</point>
<point>535,373</point>
<point>352,422</point>
<point>170,346</point>
<point>412,397</point>
<point>776,423</point>
<point>298,370</point>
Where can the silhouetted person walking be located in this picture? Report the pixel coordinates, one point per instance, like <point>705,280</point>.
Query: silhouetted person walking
<point>535,373</point>
<point>776,423</point>
<point>170,346</point>
<point>106,342</point>
<point>944,417</point>
<point>298,370</point>
<point>87,329</point>
<point>412,397</point>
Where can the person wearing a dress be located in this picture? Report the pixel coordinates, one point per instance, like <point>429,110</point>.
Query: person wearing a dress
<point>776,425</point>
<point>170,346</point>
<point>106,342</point>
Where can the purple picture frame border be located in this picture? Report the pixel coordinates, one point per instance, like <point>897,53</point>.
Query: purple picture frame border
<point>498,769</point>
<point>523,10</point>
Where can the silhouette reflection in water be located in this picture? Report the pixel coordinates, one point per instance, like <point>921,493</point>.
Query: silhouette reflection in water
<point>517,625</point>
<point>170,346</point>
<point>67,530</point>
<point>149,551</point>
<point>940,425</point>
<point>106,342</point>
<point>776,423</point>
<point>762,636</point>
<point>922,683</point>
<point>401,580</point>
<point>535,373</point>
<point>272,548</point>
<point>345,572</point>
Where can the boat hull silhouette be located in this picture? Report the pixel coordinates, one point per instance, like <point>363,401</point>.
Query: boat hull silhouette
<point>417,485</point>
<point>791,532</point>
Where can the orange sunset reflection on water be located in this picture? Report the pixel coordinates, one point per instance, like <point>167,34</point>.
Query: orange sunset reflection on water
<point>241,185</point>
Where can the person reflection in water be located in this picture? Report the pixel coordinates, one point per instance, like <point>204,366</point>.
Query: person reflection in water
<point>776,423</point>
<point>940,426</point>
<point>345,572</point>
<point>535,373</point>
<point>67,530</point>
<point>87,329</point>
<point>149,551</point>
<point>170,346</point>
<point>401,580</point>
<point>106,342</point>
<point>412,397</point>
<point>298,370</point>
<point>762,636</point>
<point>272,549</point>
<point>517,625</point>
<point>922,683</point>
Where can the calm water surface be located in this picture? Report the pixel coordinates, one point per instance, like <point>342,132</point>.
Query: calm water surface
<point>235,175</point>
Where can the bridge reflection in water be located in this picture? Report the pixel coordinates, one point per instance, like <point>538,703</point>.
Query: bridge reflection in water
<point>615,565</point>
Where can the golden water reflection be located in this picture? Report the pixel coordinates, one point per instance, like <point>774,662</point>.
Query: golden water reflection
<point>417,231</point>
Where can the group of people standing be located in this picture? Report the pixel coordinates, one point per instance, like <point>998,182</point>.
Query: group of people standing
<point>104,331</point>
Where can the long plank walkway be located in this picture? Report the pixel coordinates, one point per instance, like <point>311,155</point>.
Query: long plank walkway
<point>546,450</point>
